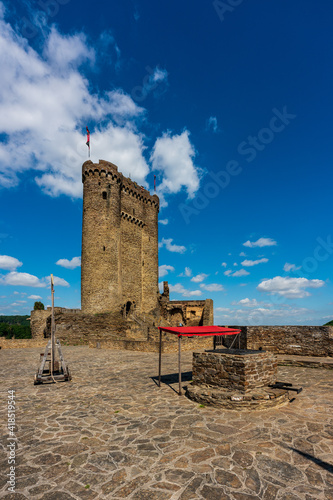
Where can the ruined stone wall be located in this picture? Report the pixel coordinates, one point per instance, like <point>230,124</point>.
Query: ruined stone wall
<point>22,343</point>
<point>188,312</point>
<point>208,313</point>
<point>119,241</point>
<point>296,340</point>
<point>113,331</point>
<point>302,340</point>
<point>38,323</point>
<point>39,320</point>
<point>169,345</point>
<point>75,327</point>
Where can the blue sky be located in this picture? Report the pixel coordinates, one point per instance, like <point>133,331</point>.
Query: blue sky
<point>228,103</point>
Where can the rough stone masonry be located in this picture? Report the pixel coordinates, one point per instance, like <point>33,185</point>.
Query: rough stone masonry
<point>119,242</point>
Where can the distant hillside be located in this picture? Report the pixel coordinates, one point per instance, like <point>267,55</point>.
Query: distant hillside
<point>15,320</point>
<point>330,323</point>
<point>15,326</point>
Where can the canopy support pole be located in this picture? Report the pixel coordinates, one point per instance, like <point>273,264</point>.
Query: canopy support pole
<point>160,360</point>
<point>179,366</point>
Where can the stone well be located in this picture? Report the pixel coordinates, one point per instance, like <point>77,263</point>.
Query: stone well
<point>235,379</point>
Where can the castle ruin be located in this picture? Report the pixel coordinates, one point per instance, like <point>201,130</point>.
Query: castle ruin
<point>120,300</point>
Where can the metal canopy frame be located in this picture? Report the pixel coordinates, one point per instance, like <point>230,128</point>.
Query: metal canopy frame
<point>190,331</point>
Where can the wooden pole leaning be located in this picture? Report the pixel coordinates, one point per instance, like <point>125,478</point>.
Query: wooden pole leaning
<point>51,370</point>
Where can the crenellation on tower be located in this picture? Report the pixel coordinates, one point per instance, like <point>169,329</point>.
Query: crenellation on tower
<point>108,170</point>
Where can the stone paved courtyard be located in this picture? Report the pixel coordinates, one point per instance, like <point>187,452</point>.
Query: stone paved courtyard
<point>112,433</point>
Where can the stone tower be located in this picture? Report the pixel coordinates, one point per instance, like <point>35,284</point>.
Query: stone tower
<point>119,242</point>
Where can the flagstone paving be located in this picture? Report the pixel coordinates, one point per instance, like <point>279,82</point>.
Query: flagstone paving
<point>112,433</point>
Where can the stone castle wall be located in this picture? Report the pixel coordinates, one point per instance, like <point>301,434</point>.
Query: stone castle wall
<point>295,340</point>
<point>39,319</point>
<point>22,343</point>
<point>74,328</point>
<point>119,241</point>
<point>112,331</point>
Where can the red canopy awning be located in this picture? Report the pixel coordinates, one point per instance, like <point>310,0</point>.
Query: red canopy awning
<point>199,330</point>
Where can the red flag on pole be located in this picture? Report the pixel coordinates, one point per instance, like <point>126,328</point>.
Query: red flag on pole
<point>88,139</point>
<point>154,182</point>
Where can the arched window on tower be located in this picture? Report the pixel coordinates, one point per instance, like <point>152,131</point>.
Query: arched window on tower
<point>104,195</point>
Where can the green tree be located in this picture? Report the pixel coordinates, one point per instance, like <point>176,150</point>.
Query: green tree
<point>39,306</point>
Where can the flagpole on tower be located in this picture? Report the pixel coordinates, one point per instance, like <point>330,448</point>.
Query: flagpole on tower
<point>88,141</point>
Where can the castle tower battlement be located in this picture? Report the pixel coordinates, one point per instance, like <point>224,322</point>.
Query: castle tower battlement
<point>119,262</point>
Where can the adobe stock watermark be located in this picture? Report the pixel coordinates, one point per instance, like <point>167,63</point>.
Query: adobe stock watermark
<point>12,440</point>
<point>225,7</point>
<point>321,253</point>
<point>48,9</point>
<point>249,149</point>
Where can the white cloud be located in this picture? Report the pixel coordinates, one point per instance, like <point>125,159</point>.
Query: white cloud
<point>164,269</point>
<point>262,242</point>
<point>192,293</point>
<point>173,155</point>
<point>22,279</point>
<point>235,264</point>
<point>224,264</point>
<point>293,288</point>
<point>290,267</point>
<point>34,297</point>
<point>211,124</point>
<point>164,222</point>
<point>213,287</point>
<point>57,281</point>
<point>242,254</point>
<point>187,273</point>
<point>264,315</point>
<point>167,243</point>
<point>241,272</point>
<point>9,263</point>
<point>249,263</point>
<point>69,264</point>
<point>62,51</point>
<point>159,75</point>
<point>156,81</point>
<point>249,303</point>
<point>178,288</point>
<point>199,278</point>
<point>222,309</point>
<point>36,87</point>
